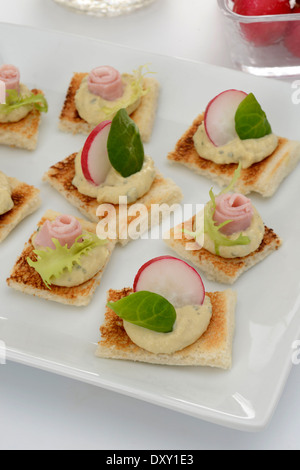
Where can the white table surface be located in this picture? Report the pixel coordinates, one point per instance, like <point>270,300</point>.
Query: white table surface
<point>39,410</point>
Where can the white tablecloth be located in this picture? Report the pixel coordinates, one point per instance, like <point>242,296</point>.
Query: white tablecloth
<point>39,410</point>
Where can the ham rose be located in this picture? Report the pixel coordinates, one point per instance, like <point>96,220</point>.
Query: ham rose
<point>106,82</point>
<point>235,207</point>
<point>65,228</point>
<point>10,75</point>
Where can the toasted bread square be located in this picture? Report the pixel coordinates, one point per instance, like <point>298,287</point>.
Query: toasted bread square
<point>216,268</point>
<point>26,200</point>
<point>22,134</point>
<point>25,279</point>
<point>143,116</point>
<point>61,175</point>
<point>264,177</point>
<point>213,349</point>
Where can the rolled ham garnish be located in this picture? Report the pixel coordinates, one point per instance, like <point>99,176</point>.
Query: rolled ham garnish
<point>235,207</point>
<point>65,228</point>
<point>106,82</point>
<point>10,75</point>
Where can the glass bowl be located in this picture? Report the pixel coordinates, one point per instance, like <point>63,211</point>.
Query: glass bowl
<point>104,7</point>
<point>268,46</point>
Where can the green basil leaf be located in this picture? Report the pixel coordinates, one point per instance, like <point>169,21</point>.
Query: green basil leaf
<point>124,145</point>
<point>146,309</point>
<point>250,120</point>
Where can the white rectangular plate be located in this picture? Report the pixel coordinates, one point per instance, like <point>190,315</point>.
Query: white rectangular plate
<point>62,339</point>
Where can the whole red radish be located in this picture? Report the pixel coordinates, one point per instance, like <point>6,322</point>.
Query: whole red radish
<point>292,37</point>
<point>263,34</point>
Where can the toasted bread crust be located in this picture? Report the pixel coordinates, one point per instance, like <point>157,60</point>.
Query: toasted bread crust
<point>144,116</point>
<point>263,177</point>
<point>24,278</point>
<point>24,133</point>
<point>216,268</point>
<point>69,111</point>
<point>61,176</point>
<point>26,200</point>
<point>214,348</point>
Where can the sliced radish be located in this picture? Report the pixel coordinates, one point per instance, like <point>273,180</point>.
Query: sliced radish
<point>173,279</point>
<point>94,158</point>
<point>219,118</point>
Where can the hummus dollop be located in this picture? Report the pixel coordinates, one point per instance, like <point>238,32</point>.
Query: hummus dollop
<point>90,265</point>
<point>20,113</point>
<point>6,202</point>
<point>247,152</point>
<point>115,185</point>
<point>95,109</point>
<point>191,323</point>
<point>255,232</point>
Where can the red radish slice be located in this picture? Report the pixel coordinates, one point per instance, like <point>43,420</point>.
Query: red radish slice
<point>94,158</point>
<point>173,279</point>
<point>219,118</point>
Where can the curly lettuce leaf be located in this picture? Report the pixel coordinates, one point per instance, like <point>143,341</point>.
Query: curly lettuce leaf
<point>235,179</point>
<point>210,226</point>
<point>137,91</point>
<point>51,263</point>
<point>212,229</point>
<point>14,101</point>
